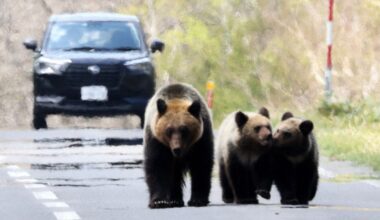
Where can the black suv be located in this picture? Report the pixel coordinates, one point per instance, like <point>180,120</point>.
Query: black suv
<point>92,64</point>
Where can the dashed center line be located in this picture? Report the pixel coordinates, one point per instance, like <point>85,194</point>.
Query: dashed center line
<point>66,215</point>
<point>18,174</point>
<point>26,180</point>
<point>34,186</point>
<point>13,167</point>
<point>49,197</point>
<point>45,195</point>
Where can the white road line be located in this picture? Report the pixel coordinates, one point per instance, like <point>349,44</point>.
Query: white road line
<point>375,183</point>
<point>45,195</point>
<point>34,186</point>
<point>49,199</point>
<point>18,174</point>
<point>13,167</point>
<point>30,183</point>
<point>26,180</point>
<point>56,204</point>
<point>66,215</point>
<point>325,173</point>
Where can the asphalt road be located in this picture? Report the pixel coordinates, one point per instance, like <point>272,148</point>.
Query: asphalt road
<point>96,174</point>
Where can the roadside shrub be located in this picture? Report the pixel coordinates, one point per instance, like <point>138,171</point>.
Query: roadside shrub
<point>336,108</point>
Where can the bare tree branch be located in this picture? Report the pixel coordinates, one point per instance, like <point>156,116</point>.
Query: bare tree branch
<point>46,7</point>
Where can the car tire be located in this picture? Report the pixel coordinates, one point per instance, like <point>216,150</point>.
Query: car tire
<point>39,120</point>
<point>142,120</point>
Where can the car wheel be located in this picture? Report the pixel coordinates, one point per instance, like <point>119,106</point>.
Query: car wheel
<point>142,120</point>
<point>39,120</point>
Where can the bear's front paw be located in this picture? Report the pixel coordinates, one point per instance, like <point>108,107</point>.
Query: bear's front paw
<point>263,193</point>
<point>176,203</point>
<point>293,201</point>
<point>198,202</point>
<point>159,204</point>
<point>228,200</point>
<point>303,202</point>
<point>247,201</point>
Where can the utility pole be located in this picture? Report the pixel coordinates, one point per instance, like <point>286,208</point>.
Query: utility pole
<point>329,39</point>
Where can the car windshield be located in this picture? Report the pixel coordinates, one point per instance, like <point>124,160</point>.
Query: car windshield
<point>94,36</point>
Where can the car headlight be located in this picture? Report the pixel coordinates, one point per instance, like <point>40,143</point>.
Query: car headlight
<point>45,65</point>
<point>144,65</point>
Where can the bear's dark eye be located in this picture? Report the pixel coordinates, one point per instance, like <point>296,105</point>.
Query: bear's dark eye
<point>257,129</point>
<point>287,134</point>
<point>169,132</point>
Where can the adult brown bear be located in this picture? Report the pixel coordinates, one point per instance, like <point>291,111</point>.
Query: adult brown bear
<point>178,137</point>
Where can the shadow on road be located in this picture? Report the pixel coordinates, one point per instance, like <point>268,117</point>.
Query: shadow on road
<point>79,142</point>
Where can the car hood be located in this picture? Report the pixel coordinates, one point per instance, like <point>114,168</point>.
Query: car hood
<point>96,57</point>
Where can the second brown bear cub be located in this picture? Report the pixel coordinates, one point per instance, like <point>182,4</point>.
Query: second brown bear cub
<point>243,142</point>
<point>296,160</point>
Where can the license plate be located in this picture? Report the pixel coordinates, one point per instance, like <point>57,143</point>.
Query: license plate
<point>94,93</point>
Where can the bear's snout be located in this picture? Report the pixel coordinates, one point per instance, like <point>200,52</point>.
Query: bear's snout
<point>177,152</point>
<point>176,144</point>
<point>269,140</point>
<point>276,142</point>
<point>266,137</point>
<point>269,137</point>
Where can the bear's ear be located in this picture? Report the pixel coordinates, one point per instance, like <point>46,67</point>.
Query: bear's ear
<point>264,111</point>
<point>195,109</point>
<point>306,127</point>
<point>286,115</point>
<point>241,119</point>
<point>161,106</point>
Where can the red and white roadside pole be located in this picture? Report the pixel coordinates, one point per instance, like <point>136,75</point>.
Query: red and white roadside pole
<point>329,40</point>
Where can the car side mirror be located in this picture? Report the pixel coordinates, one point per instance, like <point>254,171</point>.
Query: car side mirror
<point>157,45</point>
<point>30,44</point>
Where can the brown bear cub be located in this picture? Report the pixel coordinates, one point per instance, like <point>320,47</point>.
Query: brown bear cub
<point>296,160</point>
<point>244,141</point>
<point>178,137</point>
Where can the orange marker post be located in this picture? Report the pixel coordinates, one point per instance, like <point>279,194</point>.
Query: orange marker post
<point>210,86</point>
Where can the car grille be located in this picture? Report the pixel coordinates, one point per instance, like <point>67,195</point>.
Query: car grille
<point>77,75</point>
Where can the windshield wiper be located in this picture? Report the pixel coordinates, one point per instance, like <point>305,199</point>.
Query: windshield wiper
<point>125,48</point>
<point>85,48</point>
